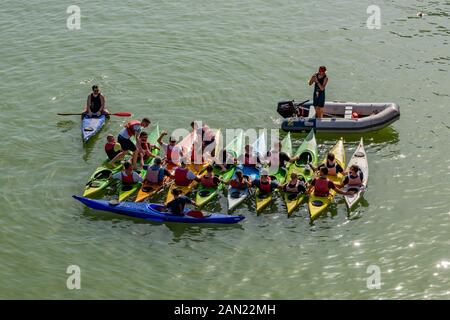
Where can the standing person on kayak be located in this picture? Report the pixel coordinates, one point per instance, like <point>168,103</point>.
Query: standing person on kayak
<point>95,103</point>
<point>354,179</point>
<point>184,176</point>
<point>295,185</point>
<point>113,150</point>
<point>176,206</point>
<point>127,176</point>
<point>155,174</point>
<point>333,167</point>
<point>265,183</point>
<point>225,160</point>
<point>172,151</point>
<point>132,128</point>
<point>320,81</point>
<point>322,185</point>
<point>240,182</point>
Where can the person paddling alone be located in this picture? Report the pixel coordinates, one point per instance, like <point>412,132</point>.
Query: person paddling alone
<point>320,81</point>
<point>95,103</point>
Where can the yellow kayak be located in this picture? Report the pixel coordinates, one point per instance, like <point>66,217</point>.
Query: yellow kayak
<point>317,205</point>
<point>197,169</point>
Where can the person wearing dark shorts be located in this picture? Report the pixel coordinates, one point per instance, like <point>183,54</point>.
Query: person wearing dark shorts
<point>320,81</point>
<point>131,129</point>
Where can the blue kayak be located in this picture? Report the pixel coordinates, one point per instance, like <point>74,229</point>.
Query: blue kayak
<point>90,126</point>
<point>153,211</point>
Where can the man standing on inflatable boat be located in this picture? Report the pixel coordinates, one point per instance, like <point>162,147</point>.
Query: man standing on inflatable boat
<point>320,81</point>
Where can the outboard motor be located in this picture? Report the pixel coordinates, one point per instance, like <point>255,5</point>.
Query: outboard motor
<point>286,109</point>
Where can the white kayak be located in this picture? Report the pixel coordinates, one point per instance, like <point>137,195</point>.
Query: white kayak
<point>359,158</point>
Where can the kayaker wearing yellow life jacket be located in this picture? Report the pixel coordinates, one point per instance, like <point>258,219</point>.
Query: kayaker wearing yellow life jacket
<point>127,176</point>
<point>354,178</point>
<point>249,158</point>
<point>113,150</point>
<point>265,183</point>
<point>132,128</point>
<point>95,103</point>
<point>240,181</point>
<point>295,185</point>
<point>322,185</point>
<point>184,176</point>
<point>209,180</point>
<point>333,167</point>
<point>172,151</point>
<point>155,174</point>
<point>146,147</point>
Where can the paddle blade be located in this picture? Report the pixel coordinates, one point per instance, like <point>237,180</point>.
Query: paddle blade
<point>121,114</point>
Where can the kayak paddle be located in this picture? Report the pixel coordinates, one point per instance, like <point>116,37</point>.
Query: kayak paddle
<point>119,114</point>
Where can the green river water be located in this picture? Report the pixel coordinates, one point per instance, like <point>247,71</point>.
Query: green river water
<point>227,63</point>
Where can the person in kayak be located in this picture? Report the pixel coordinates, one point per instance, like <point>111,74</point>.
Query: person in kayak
<point>225,160</point>
<point>278,158</point>
<point>333,167</point>
<point>155,174</point>
<point>146,147</point>
<point>113,150</point>
<point>320,81</point>
<point>127,176</point>
<point>95,103</point>
<point>322,185</point>
<point>184,176</point>
<point>354,179</point>
<point>249,158</point>
<point>296,185</point>
<point>209,180</point>
<point>240,182</point>
<point>265,183</point>
<point>177,205</point>
<point>172,151</point>
<point>132,128</point>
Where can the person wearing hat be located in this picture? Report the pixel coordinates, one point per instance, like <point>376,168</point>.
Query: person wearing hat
<point>95,103</point>
<point>320,81</point>
<point>240,181</point>
<point>183,176</point>
<point>113,150</point>
<point>265,183</point>
<point>155,174</point>
<point>171,150</point>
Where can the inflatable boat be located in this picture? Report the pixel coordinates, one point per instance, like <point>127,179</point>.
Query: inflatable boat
<point>338,116</point>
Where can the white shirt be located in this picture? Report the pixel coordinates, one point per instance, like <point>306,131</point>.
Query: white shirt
<point>124,132</point>
<point>136,176</point>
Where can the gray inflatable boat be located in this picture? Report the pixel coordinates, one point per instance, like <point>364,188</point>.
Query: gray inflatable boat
<point>338,116</point>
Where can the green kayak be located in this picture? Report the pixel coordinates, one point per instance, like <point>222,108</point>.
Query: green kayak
<point>307,153</point>
<point>126,191</point>
<point>279,176</point>
<point>204,194</point>
<point>100,180</point>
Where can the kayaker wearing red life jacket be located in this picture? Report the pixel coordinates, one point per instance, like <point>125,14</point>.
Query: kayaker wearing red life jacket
<point>333,167</point>
<point>184,176</point>
<point>172,151</point>
<point>354,178</point>
<point>95,103</point>
<point>127,175</point>
<point>146,147</point>
<point>132,128</point>
<point>113,150</point>
<point>295,185</point>
<point>155,174</point>
<point>265,183</point>
<point>322,185</point>
<point>209,180</point>
<point>240,181</point>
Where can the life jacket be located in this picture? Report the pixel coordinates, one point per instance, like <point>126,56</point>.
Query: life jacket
<point>208,182</point>
<point>332,170</point>
<point>130,127</point>
<point>181,176</point>
<point>292,188</point>
<point>265,187</point>
<point>127,179</point>
<point>321,187</point>
<point>170,154</point>
<point>155,174</point>
<point>235,183</point>
<point>354,181</point>
<point>109,149</point>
